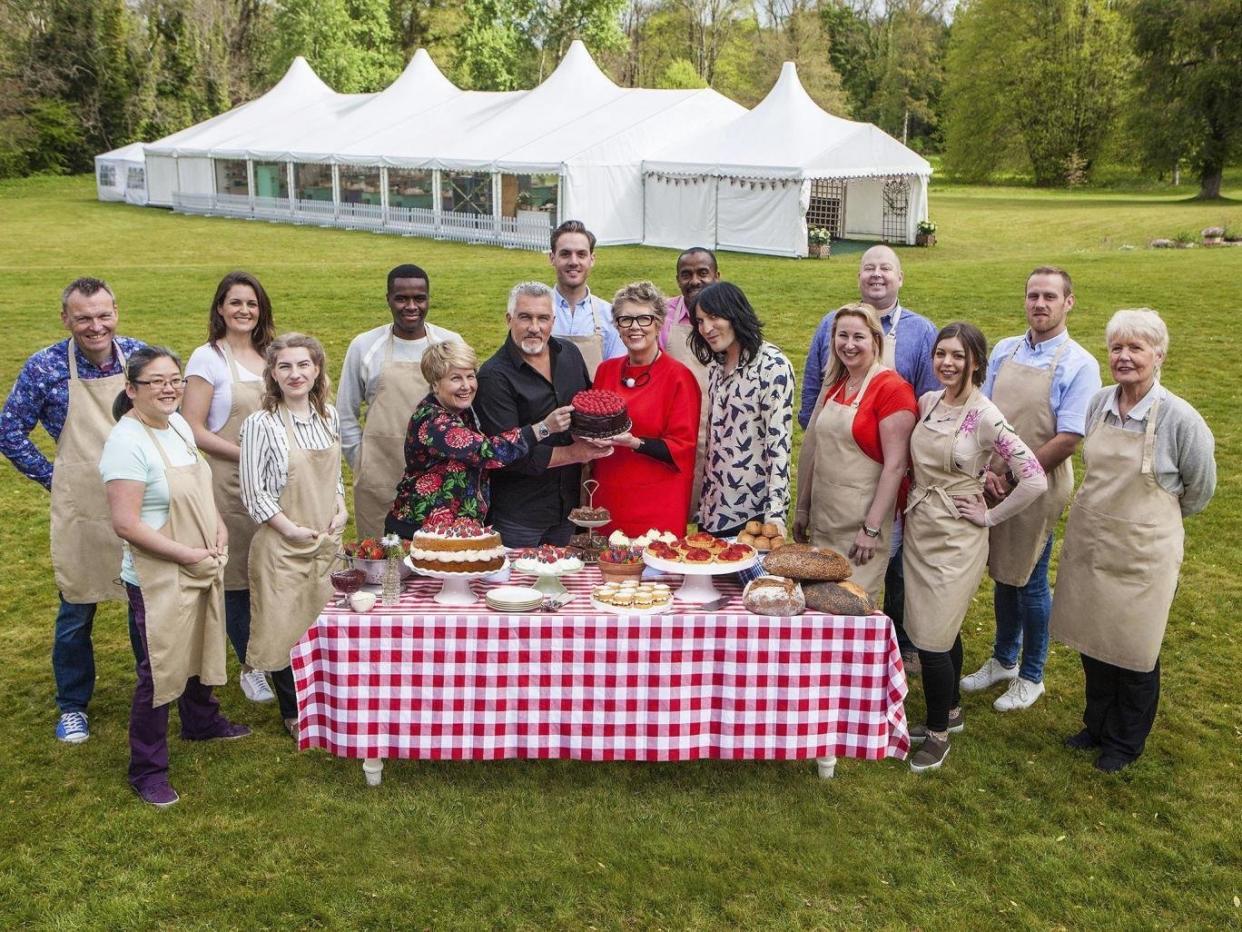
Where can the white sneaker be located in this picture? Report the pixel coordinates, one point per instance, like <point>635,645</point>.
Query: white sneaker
<point>989,674</point>
<point>255,687</point>
<point>1021,694</point>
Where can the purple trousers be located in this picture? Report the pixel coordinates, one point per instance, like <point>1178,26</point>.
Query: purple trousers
<point>148,727</point>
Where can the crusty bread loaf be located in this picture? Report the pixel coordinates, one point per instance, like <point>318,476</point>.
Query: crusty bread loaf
<point>774,595</point>
<point>838,598</point>
<point>802,561</point>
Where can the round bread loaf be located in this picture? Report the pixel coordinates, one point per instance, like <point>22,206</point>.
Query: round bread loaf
<point>802,561</point>
<point>838,598</point>
<point>774,595</point>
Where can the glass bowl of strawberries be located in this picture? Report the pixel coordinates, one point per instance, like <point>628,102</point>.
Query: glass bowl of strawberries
<point>368,555</point>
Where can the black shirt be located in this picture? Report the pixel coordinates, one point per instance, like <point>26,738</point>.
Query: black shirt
<point>512,393</point>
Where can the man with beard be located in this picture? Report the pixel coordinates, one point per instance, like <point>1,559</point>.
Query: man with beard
<point>696,268</point>
<point>531,375</point>
<point>383,371</point>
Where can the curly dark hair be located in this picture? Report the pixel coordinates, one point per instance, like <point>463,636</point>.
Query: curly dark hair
<point>975,344</point>
<point>264,329</point>
<point>726,300</point>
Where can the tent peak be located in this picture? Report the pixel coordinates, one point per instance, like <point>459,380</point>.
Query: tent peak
<point>421,75</point>
<point>300,78</point>
<point>578,70</point>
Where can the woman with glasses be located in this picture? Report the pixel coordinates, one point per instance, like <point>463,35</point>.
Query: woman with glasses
<point>224,382</point>
<point>646,482</point>
<point>176,548</point>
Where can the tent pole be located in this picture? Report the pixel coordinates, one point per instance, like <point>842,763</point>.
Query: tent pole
<point>437,204</point>
<point>383,196</point>
<point>250,184</point>
<point>336,193</point>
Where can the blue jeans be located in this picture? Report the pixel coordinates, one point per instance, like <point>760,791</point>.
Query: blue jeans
<point>1022,614</point>
<point>237,620</point>
<point>514,535</point>
<point>73,655</point>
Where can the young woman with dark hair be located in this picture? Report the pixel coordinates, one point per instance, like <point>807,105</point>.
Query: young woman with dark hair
<point>224,381</point>
<point>958,432</point>
<point>750,390</point>
<point>160,498</point>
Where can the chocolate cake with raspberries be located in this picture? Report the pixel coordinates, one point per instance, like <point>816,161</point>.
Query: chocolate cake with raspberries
<point>598,414</point>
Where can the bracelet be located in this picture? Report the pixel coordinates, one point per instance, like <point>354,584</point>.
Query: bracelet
<point>870,531</point>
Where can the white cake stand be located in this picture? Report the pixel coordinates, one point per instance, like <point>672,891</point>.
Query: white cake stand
<point>456,587</point>
<point>548,583</point>
<point>696,585</point>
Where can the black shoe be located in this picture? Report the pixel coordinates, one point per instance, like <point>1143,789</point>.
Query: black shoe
<point>1083,741</point>
<point>1111,763</point>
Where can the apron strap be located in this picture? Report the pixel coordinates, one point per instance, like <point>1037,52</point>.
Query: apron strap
<point>73,360</point>
<point>1149,438</point>
<point>858,396</point>
<point>599,327</point>
<point>228,358</point>
<point>894,320</point>
<point>159,446</point>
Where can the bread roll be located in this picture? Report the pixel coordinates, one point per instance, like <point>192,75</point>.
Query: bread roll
<point>771,530</point>
<point>761,543</point>
<point>773,595</point>
<point>777,542</point>
<point>746,538</point>
<point>753,527</point>
<point>838,598</point>
<point>802,561</point>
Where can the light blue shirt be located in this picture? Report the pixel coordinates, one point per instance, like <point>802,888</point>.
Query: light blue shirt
<point>579,321</point>
<point>1075,380</point>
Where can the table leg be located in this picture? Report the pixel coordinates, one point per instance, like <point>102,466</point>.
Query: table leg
<point>827,767</point>
<point>373,769</point>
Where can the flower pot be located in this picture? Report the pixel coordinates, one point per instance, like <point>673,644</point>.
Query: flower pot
<point>375,570</point>
<point>620,572</point>
<point>924,239</point>
<point>819,250</point>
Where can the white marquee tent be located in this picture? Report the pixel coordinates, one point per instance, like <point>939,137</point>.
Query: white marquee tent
<point>120,175</point>
<point>756,183</point>
<point>425,157</point>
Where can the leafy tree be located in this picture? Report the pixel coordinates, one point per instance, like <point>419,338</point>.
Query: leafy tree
<point>349,43</point>
<point>909,69</point>
<point>1033,83</point>
<point>853,51</point>
<point>680,74</point>
<point>1190,100</point>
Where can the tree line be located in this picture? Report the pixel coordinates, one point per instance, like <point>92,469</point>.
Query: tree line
<point>1051,89</point>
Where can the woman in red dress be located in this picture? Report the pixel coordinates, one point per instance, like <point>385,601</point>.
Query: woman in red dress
<point>646,482</point>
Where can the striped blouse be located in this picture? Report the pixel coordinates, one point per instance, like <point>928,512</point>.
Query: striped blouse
<point>264,467</point>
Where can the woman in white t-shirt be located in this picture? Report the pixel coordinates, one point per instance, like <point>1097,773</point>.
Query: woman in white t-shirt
<point>224,382</point>
<point>160,499</point>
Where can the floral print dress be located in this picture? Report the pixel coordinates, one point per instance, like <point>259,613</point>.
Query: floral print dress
<point>447,459</point>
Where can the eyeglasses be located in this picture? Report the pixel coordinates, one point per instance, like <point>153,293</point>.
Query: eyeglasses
<point>641,320</point>
<point>160,384</point>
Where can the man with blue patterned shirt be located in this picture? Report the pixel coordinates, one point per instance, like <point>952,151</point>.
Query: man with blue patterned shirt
<point>1042,381</point>
<point>69,388</point>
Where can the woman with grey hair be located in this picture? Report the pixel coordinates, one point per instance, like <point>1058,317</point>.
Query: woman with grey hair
<point>1149,464</point>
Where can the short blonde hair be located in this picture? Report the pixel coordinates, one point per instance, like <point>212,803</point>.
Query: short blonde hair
<point>871,317</point>
<point>1141,323</point>
<point>440,359</point>
<point>644,293</point>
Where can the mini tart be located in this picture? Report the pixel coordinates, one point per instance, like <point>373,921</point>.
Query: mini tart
<point>698,555</point>
<point>643,600</point>
<point>622,598</point>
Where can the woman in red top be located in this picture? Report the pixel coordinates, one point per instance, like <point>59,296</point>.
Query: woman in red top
<point>646,482</point>
<point>856,450</point>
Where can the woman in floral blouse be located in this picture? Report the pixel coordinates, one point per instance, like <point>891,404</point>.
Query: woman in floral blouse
<point>946,537</point>
<point>446,455</point>
<point>750,391</point>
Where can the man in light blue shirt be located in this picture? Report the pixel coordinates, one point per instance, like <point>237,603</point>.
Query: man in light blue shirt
<point>879,282</point>
<point>581,317</point>
<point>910,338</point>
<point>1042,381</point>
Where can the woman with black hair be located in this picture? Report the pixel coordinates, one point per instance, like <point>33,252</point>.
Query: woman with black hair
<point>750,392</point>
<point>224,382</point>
<point>176,547</point>
<point>959,431</point>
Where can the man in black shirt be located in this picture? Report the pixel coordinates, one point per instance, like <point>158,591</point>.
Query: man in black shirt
<point>530,376</point>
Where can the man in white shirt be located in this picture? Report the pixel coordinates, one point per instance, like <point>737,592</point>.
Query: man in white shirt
<point>382,371</point>
<point>581,317</point>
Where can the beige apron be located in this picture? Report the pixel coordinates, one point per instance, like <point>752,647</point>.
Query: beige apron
<point>225,484</point>
<point>184,604</point>
<point>381,456</point>
<point>845,483</point>
<point>591,345</point>
<point>1122,552</point>
<point>679,348</point>
<point>944,555</point>
<point>1024,395</point>
<point>888,351</point>
<point>289,583</point>
<point>86,553</point>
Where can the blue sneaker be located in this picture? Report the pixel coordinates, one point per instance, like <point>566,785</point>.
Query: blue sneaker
<point>72,728</point>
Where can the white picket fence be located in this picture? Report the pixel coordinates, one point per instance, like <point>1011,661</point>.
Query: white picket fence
<point>525,232</point>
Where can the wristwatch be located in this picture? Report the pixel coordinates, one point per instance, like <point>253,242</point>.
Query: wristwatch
<point>870,531</point>
<point>542,431</point>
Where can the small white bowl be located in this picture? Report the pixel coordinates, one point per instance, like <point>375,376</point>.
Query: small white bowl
<point>362,601</point>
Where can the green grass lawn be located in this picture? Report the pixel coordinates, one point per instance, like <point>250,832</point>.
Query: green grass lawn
<point>1014,831</point>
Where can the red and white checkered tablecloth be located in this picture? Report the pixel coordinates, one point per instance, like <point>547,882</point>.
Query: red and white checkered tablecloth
<point>419,680</point>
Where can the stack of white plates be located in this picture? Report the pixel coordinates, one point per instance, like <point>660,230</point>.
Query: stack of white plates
<point>514,598</point>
